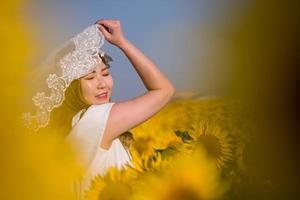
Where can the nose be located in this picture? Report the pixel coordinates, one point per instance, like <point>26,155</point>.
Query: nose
<point>101,83</point>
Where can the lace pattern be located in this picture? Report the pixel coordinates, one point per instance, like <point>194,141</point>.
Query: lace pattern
<point>75,64</point>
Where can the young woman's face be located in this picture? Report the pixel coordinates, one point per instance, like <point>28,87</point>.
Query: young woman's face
<point>96,87</point>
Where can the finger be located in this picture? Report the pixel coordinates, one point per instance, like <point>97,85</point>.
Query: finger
<point>105,27</point>
<point>114,21</point>
<point>106,23</point>
<point>104,31</point>
<point>111,22</point>
<point>98,21</point>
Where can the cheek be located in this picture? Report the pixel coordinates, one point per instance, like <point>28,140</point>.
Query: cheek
<point>87,89</point>
<point>110,82</point>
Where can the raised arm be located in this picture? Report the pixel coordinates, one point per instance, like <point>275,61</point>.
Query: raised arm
<point>128,114</point>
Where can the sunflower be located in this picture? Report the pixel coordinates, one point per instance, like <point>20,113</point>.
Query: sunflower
<point>115,184</point>
<point>148,162</point>
<point>144,145</point>
<point>217,143</point>
<point>192,177</point>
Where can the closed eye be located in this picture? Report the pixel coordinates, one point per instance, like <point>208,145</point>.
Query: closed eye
<point>92,77</point>
<point>106,72</point>
<point>89,78</point>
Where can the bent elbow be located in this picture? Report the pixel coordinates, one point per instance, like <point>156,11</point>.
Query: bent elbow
<point>171,91</point>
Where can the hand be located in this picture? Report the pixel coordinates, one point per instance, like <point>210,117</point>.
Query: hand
<point>112,31</point>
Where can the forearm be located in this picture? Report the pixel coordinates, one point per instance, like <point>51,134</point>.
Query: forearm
<point>151,76</point>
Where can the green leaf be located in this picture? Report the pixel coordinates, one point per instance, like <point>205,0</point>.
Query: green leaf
<point>167,152</point>
<point>184,135</point>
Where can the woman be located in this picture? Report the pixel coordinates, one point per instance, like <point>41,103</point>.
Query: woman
<point>97,122</point>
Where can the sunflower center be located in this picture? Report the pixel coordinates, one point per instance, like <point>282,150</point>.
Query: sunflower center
<point>211,145</point>
<point>109,191</point>
<point>183,192</point>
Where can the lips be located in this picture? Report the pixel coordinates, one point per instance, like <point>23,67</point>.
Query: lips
<point>102,95</point>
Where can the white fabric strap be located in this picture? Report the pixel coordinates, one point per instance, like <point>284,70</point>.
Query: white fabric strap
<point>77,117</point>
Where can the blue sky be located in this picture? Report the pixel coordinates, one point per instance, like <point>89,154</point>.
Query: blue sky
<point>182,37</point>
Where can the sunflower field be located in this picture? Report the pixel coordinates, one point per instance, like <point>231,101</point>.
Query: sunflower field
<point>195,148</point>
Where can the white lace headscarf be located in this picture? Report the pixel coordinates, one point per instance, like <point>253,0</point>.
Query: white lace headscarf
<point>75,59</point>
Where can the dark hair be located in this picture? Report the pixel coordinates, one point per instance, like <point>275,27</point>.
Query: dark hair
<point>106,59</point>
<point>61,117</point>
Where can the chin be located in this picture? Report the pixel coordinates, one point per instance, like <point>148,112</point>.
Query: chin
<point>97,102</point>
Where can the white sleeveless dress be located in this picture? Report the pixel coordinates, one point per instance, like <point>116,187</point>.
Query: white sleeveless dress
<point>85,138</point>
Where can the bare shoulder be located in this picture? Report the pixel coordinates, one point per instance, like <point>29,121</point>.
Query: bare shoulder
<point>128,114</point>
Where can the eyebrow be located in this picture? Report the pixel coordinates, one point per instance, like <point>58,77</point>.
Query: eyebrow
<point>107,66</point>
<point>101,69</point>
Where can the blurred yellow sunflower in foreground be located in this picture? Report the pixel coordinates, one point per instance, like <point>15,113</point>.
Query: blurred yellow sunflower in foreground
<point>192,177</point>
<point>116,184</point>
<point>216,142</point>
